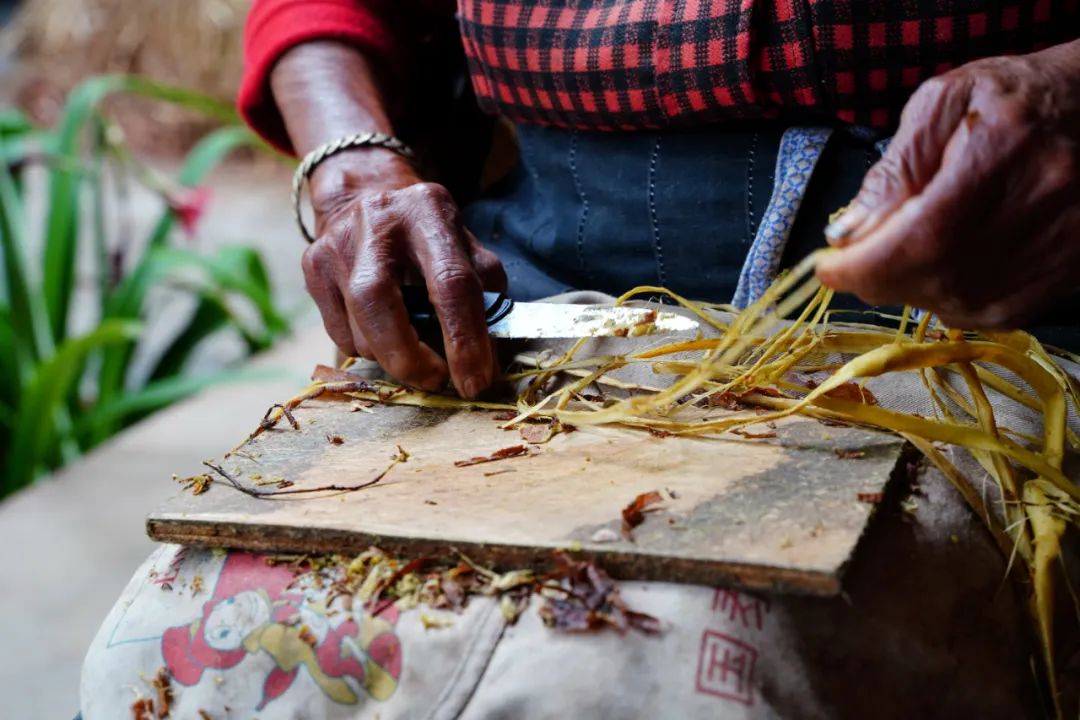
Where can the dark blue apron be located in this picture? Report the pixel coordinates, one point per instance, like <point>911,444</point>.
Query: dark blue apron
<point>700,212</point>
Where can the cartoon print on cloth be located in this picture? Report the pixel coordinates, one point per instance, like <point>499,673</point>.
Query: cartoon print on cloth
<point>258,609</point>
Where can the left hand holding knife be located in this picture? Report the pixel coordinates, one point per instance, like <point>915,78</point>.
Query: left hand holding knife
<point>372,234</point>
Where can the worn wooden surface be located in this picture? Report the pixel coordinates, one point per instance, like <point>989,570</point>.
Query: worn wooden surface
<point>780,513</point>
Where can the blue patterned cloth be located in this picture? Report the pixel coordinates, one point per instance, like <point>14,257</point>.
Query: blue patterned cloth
<point>800,150</point>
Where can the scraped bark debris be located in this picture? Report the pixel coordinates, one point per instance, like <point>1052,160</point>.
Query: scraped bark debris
<point>197,484</point>
<point>284,487</point>
<point>503,454</point>
<point>581,597</point>
<point>753,435</point>
<point>848,454</point>
<point>634,513</point>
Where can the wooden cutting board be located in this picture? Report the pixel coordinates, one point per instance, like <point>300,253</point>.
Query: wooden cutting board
<point>782,513</point>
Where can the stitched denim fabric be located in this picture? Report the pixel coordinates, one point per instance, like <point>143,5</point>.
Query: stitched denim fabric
<point>608,211</point>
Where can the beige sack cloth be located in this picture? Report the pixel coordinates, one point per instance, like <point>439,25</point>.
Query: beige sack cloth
<point>928,626</point>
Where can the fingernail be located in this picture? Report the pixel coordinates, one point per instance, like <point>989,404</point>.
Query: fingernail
<point>473,386</point>
<point>845,226</point>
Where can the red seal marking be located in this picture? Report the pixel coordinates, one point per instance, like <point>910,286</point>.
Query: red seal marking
<point>743,608</point>
<point>725,667</point>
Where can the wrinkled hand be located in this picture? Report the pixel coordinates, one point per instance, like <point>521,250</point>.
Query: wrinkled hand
<point>974,211</point>
<point>378,225</point>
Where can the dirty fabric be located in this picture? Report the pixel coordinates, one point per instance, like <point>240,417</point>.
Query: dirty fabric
<point>927,626</point>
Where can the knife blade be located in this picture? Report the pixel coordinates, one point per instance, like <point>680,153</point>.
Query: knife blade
<point>539,320</point>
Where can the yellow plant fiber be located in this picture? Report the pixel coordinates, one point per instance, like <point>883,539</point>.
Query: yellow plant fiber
<point>764,361</point>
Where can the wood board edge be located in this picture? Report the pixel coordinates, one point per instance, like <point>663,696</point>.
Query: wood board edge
<point>620,565</point>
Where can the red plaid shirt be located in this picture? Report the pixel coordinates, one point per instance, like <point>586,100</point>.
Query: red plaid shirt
<point>629,64</point>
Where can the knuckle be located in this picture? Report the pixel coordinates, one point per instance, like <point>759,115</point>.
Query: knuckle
<point>928,95</point>
<point>432,193</point>
<point>380,225</point>
<point>376,202</point>
<point>436,212</point>
<point>934,100</point>
<point>830,276</point>
<point>487,263</point>
<point>317,259</point>
<point>933,88</point>
<point>1008,113</point>
<point>310,262</point>
<point>402,365</point>
<point>370,289</point>
<point>888,176</point>
<point>993,77</point>
<point>452,283</point>
<point>939,292</point>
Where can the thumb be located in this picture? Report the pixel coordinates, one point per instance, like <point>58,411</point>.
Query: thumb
<point>928,122</point>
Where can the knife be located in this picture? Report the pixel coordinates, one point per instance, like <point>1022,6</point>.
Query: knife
<point>539,320</point>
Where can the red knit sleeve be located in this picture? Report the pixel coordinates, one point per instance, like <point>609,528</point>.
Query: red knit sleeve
<point>274,26</point>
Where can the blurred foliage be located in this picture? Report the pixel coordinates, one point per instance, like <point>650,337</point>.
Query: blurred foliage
<point>62,392</point>
<point>56,44</point>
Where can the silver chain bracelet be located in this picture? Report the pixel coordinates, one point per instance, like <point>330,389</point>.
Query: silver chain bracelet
<point>316,156</point>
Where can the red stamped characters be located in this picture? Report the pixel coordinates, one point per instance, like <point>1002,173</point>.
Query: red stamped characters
<point>741,608</point>
<point>725,667</point>
<point>726,664</point>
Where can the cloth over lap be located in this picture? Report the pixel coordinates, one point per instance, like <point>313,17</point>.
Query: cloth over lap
<point>928,626</point>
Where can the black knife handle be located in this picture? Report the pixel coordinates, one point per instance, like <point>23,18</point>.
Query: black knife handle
<point>422,313</point>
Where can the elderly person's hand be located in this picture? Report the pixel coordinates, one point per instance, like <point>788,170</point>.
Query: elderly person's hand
<point>379,225</point>
<point>974,211</point>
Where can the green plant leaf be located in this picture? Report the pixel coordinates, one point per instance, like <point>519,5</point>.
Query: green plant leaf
<point>36,407</point>
<point>98,229</point>
<point>232,270</point>
<point>210,316</point>
<point>127,300</point>
<point>202,159</point>
<point>34,436</point>
<point>235,271</point>
<point>126,303</point>
<point>14,123</point>
<point>19,136</point>
<point>28,318</point>
<point>158,394</point>
<point>61,235</point>
<point>241,269</point>
<point>9,367</point>
<point>7,419</point>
